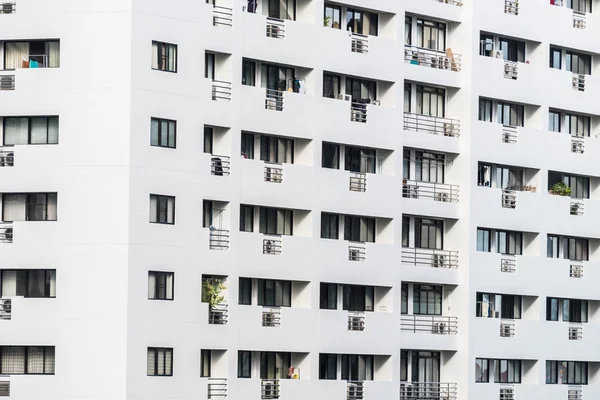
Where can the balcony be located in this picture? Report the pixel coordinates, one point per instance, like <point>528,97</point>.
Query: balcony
<point>429,257</point>
<point>432,58</point>
<point>433,125</point>
<point>8,8</point>
<point>441,192</point>
<point>217,388</point>
<point>7,81</point>
<point>428,391</point>
<point>5,309</point>
<point>271,317</point>
<point>433,324</point>
<point>222,16</point>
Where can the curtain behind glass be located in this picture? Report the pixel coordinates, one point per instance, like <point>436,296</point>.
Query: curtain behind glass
<point>15,53</point>
<point>53,52</point>
<point>16,131</point>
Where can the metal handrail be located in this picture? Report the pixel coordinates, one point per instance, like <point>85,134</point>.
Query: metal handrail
<point>5,309</point>
<point>574,393</point>
<point>218,239</point>
<point>7,157</point>
<point>579,19</point>
<point>432,58</point>
<point>357,252</point>
<point>443,192</point>
<point>429,257</point>
<point>508,263</point>
<point>509,198</point>
<point>428,391</point>
<point>221,90</point>
<point>511,7</point>
<point>272,246</point>
<point>7,82</point>
<point>358,112</point>
<point>273,173</point>
<point>576,207</point>
<point>577,145</point>
<point>358,182</point>
<point>436,324</point>
<point>578,82</point>
<point>222,16</point>
<point>575,332</point>
<point>269,388</point>
<point>8,7</point>
<point>507,328</point>
<point>271,317</point>
<point>6,233</point>
<point>220,165</point>
<point>453,2</point>
<point>356,321</point>
<point>217,388</point>
<point>275,28</point>
<point>510,134</point>
<point>359,43</point>
<point>355,390</point>
<point>218,314</point>
<point>4,388</point>
<point>507,393</point>
<point>511,69</point>
<point>431,124</point>
<point>576,270</point>
<point>274,100</point>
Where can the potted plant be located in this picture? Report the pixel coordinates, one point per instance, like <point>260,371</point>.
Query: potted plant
<point>560,189</point>
<point>212,294</point>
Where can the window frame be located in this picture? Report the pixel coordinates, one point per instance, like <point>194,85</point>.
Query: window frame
<point>484,364</point>
<point>162,197</point>
<point>328,293</point>
<point>244,370</point>
<point>49,351</point>
<point>330,226</point>
<point>162,275</point>
<point>156,350</point>
<point>164,58</point>
<point>244,291</point>
<point>325,372</point>
<point>28,281</point>
<point>279,287</point>
<point>29,119</point>
<point>158,142</point>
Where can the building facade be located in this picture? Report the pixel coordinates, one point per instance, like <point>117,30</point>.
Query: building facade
<point>299,199</point>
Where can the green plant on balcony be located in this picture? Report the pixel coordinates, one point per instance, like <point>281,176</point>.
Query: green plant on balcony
<point>211,293</point>
<point>327,20</point>
<point>560,189</point>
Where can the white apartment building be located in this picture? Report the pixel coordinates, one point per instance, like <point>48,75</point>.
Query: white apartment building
<point>299,199</point>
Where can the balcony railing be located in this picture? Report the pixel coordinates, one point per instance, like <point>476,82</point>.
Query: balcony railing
<point>357,252</point>
<point>508,263</point>
<point>578,82</point>
<point>511,7</point>
<point>220,165</point>
<point>217,388</point>
<point>218,314</point>
<point>4,388</point>
<point>222,16</point>
<point>453,2</point>
<point>355,390</point>
<point>511,70</point>
<point>7,82</point>
<point>272,246</point>
<point>576,207</point>
<point>507,328</point>
<point>576,270</point>
<point>432,58</point>
<point>356,321</point>
<point>269,389</point>
<point>358,182</point>
<point>430,124</point>
<point>218,239</point>
<point>507,392</point>
<point>430,257</point>
<point>579,20</point>
<point>359,43</point>
<point>575,332</point>
<point>273,172</point>
<point>274,100</point>
<point>428,391</point>
<point>8,7</point>
<point>221,90</point>
<point>271,317</point>
<point>574,393</point>
<point>275,28</point>
<point>510,134</point>
<point>435,324</point>
<point>7,157</point>
<point>430,190</point>
<point>5,309</point>
<point>509,198</point>
<point>6,233</point>
<point>358,112</point>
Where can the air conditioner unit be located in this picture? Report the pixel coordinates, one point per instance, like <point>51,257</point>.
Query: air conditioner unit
<point>442,197</point>
<point>5,308</point>
<point>448,129</point>
<point>438,328</point>
<point>269,319</point>
<point>269,389</point>
<point>505,330</point>
<point>497,53</point>
<point>345,97</point>
<point>354,255</point>
<point>268,247</point>
<point>438,261</point>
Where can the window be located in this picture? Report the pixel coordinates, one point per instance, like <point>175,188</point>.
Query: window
<point>361,90</point>
<point>567,372</point>
<point>331,156</point>
<point>405,231</point>
<point>555,58</point>
<point>580,5</point>
<point>427,300</point>
<point>328,366</point>
<point>31,54</point>
<point>30,130</point>
<point>553,246</point>
<point>277,77</point>
<point>282,9</point>
<point>358,297</point>
<point>404,299</point>
<point>485,110</point>
<point>571,310</point>
<point>328,296</point>
<point>362,22</point>
<point>330,226</point>
<point>507,371</point>
<point>160,361</point>
<point>331,86</point>
<point>576,249</point>
<point>509,242</point>
<point>162,209</point>
<point>512,50</point>
<point>481,370</point>
<point>579,185</point>
<point>27,360</point>
<point>208,139</point>
<point>407,31</point>
<point>359,229</point>
<point>333,16</point>
<point>358,159</point>
<point>553,121</point>
<point>357,367</point>
<point>510,114</point>
<point>248,146</point>
<point>552,309</point>
<point>164,56</point>
<point>162,132</point>
<point>274,293</point>
<point>577,125</point>
<point>578,63</point>
<point>429,167</point>
<point>246,218</point>
<point>205,361</point>
<point>429,233</point>
<point>483,240</point>
<point>207,213</point>
<point>276,149</point>
<point>486,45</point>
<point>431,35</point>
<point>430,101</point>
<point>407,97</point>
<point>244,364</point>
<point>498,306</point>
<point>248,73</point>
<point>425,365</point>
<point>275,365</point>
<point>276,221</point>
<point>160,285</point>
<point>35,283</point>
<point>245,292</point>
<point>209,65</point>
<point>29,207</point>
